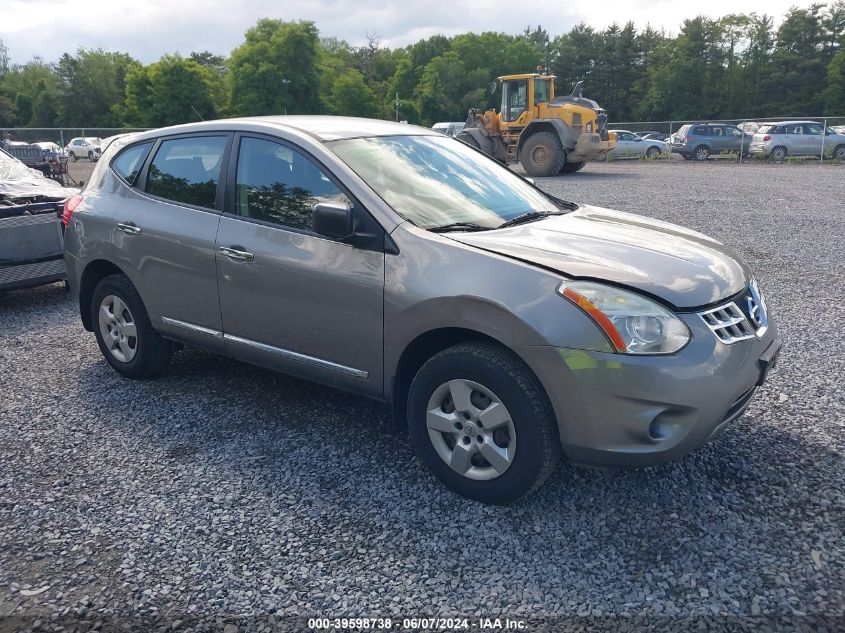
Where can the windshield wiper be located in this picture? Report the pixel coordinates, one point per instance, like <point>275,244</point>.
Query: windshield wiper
<point>528,217</point>
<point>459,226</point>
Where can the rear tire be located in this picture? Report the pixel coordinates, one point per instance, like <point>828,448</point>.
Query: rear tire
<point>778,154</point>
<point>500,397</point>
<point>702,152</point>
<point>571,168</point>
<point>119,316</point>
<point>839,153</point>
<point>73,157</point>
<point>542,155</point>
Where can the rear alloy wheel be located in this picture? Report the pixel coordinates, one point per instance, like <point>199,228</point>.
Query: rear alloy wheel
<point>571,168</point>
<point>482,423</point>
<point>702,152</point>
<point>124,332</point>
<point>91,156</point>
<point>652,152</point>
<point>542,155</point>
<point>778,154</point>
<point>73,157</point>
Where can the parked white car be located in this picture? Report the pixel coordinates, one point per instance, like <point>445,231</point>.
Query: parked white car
<point>84,147</point>
<point>630,145</point>
<point>797,138</point>
<point>449,128</point>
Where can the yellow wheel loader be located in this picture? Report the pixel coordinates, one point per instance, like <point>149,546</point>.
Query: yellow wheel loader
<point>548,135</point>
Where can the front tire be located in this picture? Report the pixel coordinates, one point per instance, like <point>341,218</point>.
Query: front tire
<point>482,423</point>
<point>839,153</point>
<point>652,152</point>
<point>73,157</point>
<point>542,155</point>
<point>123,330</point>
<point>571,168</point>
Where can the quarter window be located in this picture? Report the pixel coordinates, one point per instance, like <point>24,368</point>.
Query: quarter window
<point>128,163</point>
<point>187,170</point>
<point>278,184</point>
<point>699,130</point>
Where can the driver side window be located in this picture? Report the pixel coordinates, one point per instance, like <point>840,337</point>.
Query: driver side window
<point>277,184</point>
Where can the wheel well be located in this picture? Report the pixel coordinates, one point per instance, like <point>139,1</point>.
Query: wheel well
<point>94,272</point>
<point>416,354</point>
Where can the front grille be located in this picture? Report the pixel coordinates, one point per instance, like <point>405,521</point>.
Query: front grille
<point>728,323</point>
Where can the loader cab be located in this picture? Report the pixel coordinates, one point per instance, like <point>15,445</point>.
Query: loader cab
<point>524,93</point>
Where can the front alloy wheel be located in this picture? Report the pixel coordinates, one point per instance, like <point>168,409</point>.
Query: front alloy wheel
<point>471,430</point>
<point>117,327</point>
<point>482,423</point>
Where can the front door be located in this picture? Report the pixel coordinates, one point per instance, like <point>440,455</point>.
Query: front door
<point>813,138</point>
<point>290,298</point>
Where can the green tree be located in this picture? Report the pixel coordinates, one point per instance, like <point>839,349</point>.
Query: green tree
<point>92,85</point>
<point>170,91</point>
<point>23,108</point>
<point>44,108</point>
<point>275,69</point>
<point>351,96</point>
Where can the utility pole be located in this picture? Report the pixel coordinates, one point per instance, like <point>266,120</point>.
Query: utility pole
<point>397,107</point>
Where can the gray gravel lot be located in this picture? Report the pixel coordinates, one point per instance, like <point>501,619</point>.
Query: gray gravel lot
<point>223,492</point>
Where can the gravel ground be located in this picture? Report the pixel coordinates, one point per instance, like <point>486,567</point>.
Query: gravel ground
<point>225,495</point>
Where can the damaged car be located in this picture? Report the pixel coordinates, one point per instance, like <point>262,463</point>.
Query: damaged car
<point>30,231</point>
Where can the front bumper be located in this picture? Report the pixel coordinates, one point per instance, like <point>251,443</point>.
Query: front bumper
<point>589,146</point>
<point>624,410</point>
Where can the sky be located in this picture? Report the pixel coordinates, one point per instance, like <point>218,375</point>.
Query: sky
<point>146,29</point>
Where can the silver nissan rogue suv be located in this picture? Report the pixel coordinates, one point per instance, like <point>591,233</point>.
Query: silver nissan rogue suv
<point>505,326</point>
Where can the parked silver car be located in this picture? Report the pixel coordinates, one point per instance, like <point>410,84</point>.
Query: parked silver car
<point>630,145</point>
<point>504,325</point>
<point>797,138</point>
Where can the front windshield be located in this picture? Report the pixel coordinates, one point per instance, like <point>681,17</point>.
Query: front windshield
<point>436,181</point>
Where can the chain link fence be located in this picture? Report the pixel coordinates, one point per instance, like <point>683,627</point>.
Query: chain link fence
<point>662,130</point>
<point>665,129</point>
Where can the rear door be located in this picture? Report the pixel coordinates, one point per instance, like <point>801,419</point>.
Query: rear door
<point>793,138</point>
<point>291,299</point>
<point>164,236</point>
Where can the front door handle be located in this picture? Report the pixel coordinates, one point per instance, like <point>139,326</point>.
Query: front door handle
<point>237,252</point>
<point>130,228</point>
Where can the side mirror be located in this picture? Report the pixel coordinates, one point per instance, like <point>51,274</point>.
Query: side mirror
<point>332,219</point>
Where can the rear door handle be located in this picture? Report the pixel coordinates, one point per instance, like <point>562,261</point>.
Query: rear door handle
<point>130,228</point>
<point>237,253</point>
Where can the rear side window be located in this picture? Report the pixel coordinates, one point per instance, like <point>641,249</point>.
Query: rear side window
<point>187,170</point>
<point>128,163</point>
<point>699,130</point>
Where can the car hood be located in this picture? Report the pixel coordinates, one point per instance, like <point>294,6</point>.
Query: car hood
<point>682,267</point>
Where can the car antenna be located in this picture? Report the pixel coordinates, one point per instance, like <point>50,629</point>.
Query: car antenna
<point>202,118</point>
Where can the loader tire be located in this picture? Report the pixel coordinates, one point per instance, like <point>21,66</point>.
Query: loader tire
<point>542,155</point>
<point>571,168</point>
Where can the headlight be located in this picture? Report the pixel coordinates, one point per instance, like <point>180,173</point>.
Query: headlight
<point>634,324</point>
